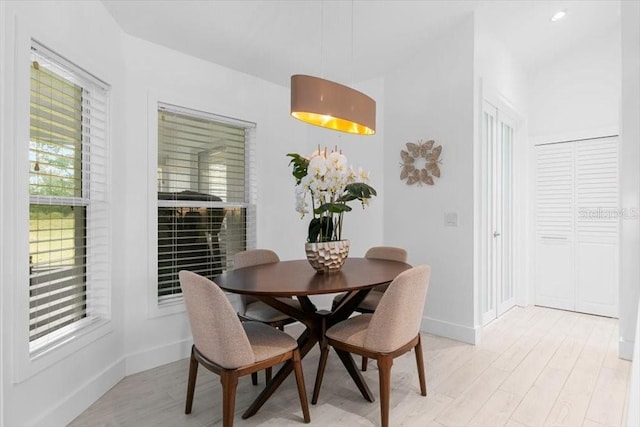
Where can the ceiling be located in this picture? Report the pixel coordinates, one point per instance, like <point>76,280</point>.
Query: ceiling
<point>350,41</point>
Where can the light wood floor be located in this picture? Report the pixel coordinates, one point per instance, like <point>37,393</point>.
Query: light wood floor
<point>535,366</point>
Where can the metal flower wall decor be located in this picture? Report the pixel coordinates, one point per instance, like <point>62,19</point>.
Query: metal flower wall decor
<point>420,162</point>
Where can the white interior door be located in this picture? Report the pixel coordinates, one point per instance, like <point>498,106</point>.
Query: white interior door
<point>577,226</point>
<point>504,215</point>
<point>498,137</point>
<point>597,226</point>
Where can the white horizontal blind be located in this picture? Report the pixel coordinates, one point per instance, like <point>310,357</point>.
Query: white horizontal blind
<point>597,189</point>
<point>204,211</point>
<point>68,187</point>
<point>554,191</point>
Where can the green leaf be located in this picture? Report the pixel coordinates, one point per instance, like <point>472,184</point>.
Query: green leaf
<point>332,208</point>
<point>357,191</point>
<point>300,166</point>
<point>320,229</point>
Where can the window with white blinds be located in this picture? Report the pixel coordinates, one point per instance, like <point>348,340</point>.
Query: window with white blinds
<point>68,189</point>
<point>204,210</point>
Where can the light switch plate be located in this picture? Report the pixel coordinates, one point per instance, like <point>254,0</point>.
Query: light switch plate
<point>451,219</point>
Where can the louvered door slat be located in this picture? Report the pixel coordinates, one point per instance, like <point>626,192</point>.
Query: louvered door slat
<point>554,191</point>
<point>597,190</point>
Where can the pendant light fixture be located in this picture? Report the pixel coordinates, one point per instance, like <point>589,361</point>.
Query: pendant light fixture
<point>325,103</point>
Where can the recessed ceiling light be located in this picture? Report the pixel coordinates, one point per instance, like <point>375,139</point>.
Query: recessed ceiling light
<point>559,15</point>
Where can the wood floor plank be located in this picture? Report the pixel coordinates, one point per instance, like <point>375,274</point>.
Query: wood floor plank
<point>411,414</point>
<point>462,378</point>
<point>539,400</point>
<point>523,377</point>
<point>573,401</point>
<point>514,355</point>
<point>497,410</point>
<point>469,403</point>
<point>607,401</point>
<point>567,354</point>
<point>589,423</point>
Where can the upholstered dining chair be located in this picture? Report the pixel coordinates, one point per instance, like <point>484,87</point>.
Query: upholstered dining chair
<point>230,348</point>
<point>371,301</point>
<point>255,310</point>
<point>392,330</point>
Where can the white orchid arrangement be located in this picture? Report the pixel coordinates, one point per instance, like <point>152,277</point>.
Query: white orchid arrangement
<point>331,183</point>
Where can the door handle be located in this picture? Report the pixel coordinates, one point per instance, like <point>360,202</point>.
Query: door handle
<point>496,234</point>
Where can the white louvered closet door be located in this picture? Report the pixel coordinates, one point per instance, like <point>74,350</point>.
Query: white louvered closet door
<point>577,226</point>
<point>554,226</point>
<point>597,226</point>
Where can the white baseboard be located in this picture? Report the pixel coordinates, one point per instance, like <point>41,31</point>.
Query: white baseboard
<point>470,335</point>
<point>625,349</point>
<point>78,401</point>
<point>157,356</point>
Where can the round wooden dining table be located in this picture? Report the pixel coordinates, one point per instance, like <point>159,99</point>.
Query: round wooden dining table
<point>270,282</point>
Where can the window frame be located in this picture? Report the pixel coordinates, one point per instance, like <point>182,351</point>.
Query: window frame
<point>169,305</point>
<point>28,362</point>
<point>92,201</point>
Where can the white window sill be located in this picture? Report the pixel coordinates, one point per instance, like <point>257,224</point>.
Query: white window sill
<point>45,352</point>
<point>50,342</point>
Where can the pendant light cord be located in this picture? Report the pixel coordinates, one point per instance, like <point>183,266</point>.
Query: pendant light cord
<point>353,68</point>
<point>321,38</point>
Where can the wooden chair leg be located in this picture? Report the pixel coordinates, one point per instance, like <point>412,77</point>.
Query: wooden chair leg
<point>302,391</point>
<point>420,363</point>
<point>322,363</point>
<point>384,373</point>
<point>229,382</point>
<point>191,385</point>
<point>364,364</point>
<point>254,378</point>
<point>267,374</point>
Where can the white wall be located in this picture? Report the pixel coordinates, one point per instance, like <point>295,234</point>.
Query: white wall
<point>55,387</point>
<point>630,176</point>
<point>578,94</point>
<point>140,74</point>
<point>431,97</point>
<point>498,69</point>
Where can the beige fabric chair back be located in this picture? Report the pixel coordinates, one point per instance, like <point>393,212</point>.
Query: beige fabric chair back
<point>387,252</point>
<point>253,257</point>
<point>217,331</point>
<point>397,319</point>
